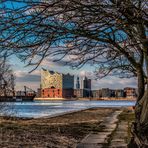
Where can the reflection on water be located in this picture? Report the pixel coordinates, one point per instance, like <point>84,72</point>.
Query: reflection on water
<point>51,108</point>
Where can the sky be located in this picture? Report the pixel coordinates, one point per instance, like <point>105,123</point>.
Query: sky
<point>32,80</point>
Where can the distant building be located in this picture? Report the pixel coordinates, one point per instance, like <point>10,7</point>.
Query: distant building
<point>87,83</point>
<point>130,92</point>
<point>83,88</point>
<point>23,93</point>
<point>112,93</point>
<point>56,85</point>
<point>20,93</point>
<point>106,92</point>
<point>97,94</point>
<point>78,83</point>
<point>38,92</point>
<point>78,93</point>
<point>119,93</point>
<point>87,87</point>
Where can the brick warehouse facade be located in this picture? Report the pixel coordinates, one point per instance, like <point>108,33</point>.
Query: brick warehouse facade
<point>56,85</point>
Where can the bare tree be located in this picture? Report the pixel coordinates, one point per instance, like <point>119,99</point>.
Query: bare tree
<point>6,78</point>
<point>6,86</point>
<point>110,34</point>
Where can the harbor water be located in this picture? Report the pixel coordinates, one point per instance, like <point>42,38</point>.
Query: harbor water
<point>38,109</point>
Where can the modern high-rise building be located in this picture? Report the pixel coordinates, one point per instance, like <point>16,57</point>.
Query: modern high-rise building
<point>87,87</point>
<point>78,83</point>
<point>83,87</point>
<point>56,85</point>
<point>87,83</point>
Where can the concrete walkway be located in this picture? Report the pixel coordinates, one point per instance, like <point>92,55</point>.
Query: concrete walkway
<point>111,134</point>
<point>119,136</point>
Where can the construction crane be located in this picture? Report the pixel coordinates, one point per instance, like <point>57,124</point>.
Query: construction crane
<point>30,90</point>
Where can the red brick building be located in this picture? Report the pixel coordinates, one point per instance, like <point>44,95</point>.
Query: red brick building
<point>56,85</point>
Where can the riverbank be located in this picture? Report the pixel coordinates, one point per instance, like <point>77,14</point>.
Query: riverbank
<point>84,99</point>
<point>108,99</point>
<point>59,132</point>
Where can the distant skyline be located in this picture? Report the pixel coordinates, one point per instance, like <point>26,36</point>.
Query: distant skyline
<point>32,80</point>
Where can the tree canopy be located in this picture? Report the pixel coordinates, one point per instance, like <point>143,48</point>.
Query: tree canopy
<point>109,34</point>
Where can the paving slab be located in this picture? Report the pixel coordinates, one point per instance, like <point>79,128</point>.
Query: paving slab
<point>118,140</point>
<point>97,140</point>
<point>110,126</point>
<point>108,130</point>
<point>111,120</point>
<point>84,145</point>
<point>118,146</point>
<point>120,136</point>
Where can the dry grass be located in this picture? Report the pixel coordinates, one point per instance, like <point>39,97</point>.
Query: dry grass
<point>58,132</point>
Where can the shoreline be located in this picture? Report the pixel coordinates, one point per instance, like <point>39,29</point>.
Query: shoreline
<point>84,99</point>
<point>72,99</point>
<point>61,114</point>
<point>78,111</point>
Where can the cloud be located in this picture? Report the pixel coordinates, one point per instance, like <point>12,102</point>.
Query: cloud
<point>28,78</point>
<point>114,83</point>
<point>23,78</point>
<point>32,85</point>
<point>82,73</point>
<point>51,63</point>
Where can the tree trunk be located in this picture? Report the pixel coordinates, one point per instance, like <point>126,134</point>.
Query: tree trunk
<point>140,126</point>
<point>141,86</point>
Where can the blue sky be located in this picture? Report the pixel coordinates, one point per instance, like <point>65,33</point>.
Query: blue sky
<point>33,80</point>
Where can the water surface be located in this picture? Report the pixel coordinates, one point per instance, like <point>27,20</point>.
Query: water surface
<point>51,108</point>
